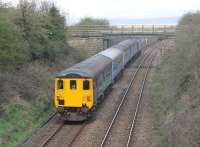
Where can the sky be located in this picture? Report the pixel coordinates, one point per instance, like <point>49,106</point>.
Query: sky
<point>123,11</point>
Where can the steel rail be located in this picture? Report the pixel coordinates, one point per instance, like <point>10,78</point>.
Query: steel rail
<point>52,135</point>
<point>122,101</point>
<point>45,143</point>
<point>34,132</point>
<point>138,103</point>
<point>77,135</point>
<point>48,120</point>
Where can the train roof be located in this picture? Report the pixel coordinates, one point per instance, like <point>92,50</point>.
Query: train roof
<point>90,67</point>
<point>125,44</point>
<point>111,53</point>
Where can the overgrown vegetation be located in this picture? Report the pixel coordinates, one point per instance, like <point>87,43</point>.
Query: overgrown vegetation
<point>30,32</point>
<point>176,89</point>
<point>33,47</point>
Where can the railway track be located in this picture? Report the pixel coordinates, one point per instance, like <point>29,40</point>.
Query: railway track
<point>106,141</point>
<point>23,143</point>
<point>77,129</point>
<point>76,136</point>
<point>72,130</point>
<point>138,105</point>
<point>48,139</point>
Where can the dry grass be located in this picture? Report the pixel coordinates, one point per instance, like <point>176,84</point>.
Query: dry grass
<point>176,89</point>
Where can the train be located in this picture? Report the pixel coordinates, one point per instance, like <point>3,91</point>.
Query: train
<point>82,87</point>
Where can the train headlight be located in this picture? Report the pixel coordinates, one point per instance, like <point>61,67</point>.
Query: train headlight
<point>84,102</point>
<point>58,97</point>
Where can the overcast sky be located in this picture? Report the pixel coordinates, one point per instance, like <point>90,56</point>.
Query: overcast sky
<point>126,9</point>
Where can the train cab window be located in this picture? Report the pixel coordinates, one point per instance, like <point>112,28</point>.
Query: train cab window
<point>60,84</point>
<point>86,85</point>
<point>73,84</point>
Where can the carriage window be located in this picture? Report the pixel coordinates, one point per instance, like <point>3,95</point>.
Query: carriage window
<point>60,84</point>
<point>72,84</point>
<point>86,85</point>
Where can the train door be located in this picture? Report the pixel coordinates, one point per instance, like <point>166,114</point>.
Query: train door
<point>73,97</point>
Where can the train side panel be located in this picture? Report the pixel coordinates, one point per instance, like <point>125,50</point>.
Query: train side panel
<point>102,82</point>
<point>116,56</point>
<point>117,66</point>
<point>134,49</point>
<point>127,55</point>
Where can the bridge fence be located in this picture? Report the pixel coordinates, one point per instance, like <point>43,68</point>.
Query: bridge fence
<point>100,30</point>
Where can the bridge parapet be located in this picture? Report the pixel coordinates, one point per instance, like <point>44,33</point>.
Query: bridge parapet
<point>100,30</point>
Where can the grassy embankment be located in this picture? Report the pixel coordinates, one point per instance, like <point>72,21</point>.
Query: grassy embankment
<point>33,47</point>
<point>27,97</point>
<point>176,89</point>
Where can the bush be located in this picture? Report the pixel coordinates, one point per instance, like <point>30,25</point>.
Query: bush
<point>30,32</point>
<point>12,46</point>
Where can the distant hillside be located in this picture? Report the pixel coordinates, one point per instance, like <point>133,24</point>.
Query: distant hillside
<point>165,20</point>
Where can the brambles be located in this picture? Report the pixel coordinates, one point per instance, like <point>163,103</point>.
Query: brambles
<point>175,94</point>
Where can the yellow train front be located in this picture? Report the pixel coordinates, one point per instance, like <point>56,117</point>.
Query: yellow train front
<point>79,88</point>
<point>74,95</point>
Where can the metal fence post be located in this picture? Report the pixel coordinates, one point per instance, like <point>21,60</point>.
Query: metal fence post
<point>132,28</point>
<point>153,29</point>
<point>142,28</point>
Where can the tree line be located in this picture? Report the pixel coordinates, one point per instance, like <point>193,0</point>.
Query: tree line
<point>29,32</point>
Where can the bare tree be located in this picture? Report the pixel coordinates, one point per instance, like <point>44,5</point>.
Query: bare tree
<point>45,6</point>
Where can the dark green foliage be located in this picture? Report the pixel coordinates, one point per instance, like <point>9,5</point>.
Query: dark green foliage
<point>41,28</point>
<point>56,29</point>
<point>30,32</point>
<point>12,46</point>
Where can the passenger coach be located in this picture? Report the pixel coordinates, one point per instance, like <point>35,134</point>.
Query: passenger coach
<point>116,56</point>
